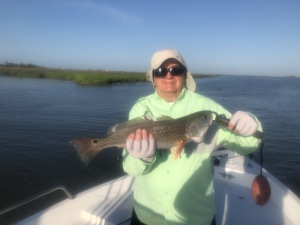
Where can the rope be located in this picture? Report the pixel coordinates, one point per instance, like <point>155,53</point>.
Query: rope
<point>261,155</point>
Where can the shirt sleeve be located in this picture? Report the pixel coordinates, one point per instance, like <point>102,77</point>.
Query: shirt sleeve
<point>238,143</point>
<point>229,140</point>
<point>134,166</point>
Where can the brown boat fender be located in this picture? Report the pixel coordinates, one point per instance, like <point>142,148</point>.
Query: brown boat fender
<point>261,190</point>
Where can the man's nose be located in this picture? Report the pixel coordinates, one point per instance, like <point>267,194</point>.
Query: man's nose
<point>169,75</point>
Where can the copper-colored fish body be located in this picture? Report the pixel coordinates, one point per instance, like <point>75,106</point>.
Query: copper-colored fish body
<point>168,133</point>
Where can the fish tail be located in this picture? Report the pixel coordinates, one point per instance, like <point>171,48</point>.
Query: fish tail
<point>87,148</point>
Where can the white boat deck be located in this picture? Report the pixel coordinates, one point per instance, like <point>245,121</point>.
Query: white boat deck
<point>235,205</point>
<point>111,203</point>
<point>98,205</point>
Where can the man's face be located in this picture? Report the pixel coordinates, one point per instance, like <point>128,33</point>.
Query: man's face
<point>170,84</point>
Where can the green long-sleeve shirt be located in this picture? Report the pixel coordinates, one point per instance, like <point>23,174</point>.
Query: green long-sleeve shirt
<point>169,191</point>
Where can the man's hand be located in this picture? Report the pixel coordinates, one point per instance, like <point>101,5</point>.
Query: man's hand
<point>141,145</point>
<point>243,123</point>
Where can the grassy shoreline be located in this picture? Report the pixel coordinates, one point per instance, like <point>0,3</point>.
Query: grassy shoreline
<point>81,77</point>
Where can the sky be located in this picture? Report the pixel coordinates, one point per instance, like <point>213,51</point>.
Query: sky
<point>233,37</point>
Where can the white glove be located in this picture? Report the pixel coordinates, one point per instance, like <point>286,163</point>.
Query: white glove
<point>141,145</point>
<point>243,123</point>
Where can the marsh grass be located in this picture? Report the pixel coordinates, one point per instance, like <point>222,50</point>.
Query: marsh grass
<point>81,77</point>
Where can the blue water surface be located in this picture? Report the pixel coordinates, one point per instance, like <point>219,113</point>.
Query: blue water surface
<point>38,117</point>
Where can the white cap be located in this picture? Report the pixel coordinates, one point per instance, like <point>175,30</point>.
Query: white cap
<point>161,56</point>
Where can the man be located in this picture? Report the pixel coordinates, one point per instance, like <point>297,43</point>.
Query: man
<point>168,191</point>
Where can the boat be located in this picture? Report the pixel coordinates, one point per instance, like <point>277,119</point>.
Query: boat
<point>111,203</point>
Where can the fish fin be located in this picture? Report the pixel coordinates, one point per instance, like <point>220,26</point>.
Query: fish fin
<point>163,117</point>
<point>112,130</point>
<point>87,148</point>
<point>135,121</point>
<point>176,151</point>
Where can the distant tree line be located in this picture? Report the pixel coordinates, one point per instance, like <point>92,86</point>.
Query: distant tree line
<point>20,65</point>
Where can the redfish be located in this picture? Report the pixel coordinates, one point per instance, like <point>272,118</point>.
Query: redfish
<point>169,133</point>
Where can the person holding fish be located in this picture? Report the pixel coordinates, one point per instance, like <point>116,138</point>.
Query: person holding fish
<point>175,186</point>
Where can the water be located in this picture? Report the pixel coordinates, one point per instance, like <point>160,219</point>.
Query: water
<point>39,117</point>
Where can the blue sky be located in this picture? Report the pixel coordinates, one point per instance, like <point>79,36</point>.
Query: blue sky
<point>237,37</point>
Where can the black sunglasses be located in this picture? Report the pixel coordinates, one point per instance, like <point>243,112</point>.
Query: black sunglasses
<point>174,71</point>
